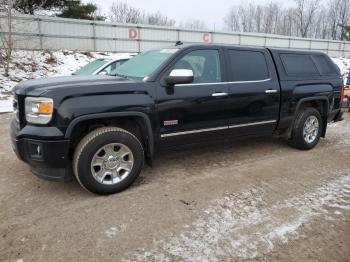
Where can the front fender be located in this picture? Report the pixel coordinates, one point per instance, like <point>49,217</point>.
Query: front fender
<point>75,110</point>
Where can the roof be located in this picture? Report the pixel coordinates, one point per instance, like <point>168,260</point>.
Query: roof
<point>278,50</point>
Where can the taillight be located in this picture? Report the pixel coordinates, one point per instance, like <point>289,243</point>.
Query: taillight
<point>342,94</point>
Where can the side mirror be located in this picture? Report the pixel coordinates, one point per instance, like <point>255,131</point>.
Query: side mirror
<point>103,73</point>
<point>180,76</point>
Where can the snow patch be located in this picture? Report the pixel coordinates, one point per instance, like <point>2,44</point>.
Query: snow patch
<point>6,104</point>
<point>344,66</point>
<point>27,65</point>
<point>243,226</point>
<point>113,231</point>
<point>339,132</point>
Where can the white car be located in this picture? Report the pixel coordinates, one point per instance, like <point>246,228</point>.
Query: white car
<point>103,66</point>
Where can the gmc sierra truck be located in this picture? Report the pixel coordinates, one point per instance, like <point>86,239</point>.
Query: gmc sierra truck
<point>103,128</point>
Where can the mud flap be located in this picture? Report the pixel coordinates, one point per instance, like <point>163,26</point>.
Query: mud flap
<point>338,117</point>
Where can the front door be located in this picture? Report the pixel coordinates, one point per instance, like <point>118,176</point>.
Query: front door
<point>198,108</point>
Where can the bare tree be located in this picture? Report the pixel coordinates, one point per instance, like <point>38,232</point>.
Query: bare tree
<point>344,16</point>
<point>286,25</point>
<point>333,9</point>
<point>9,25</point>
<point>338,16</point>
<point>158,19</point>
<point>121,12</point>
<point>271,16</point>
<point>6,35</point>
<point>306,18</point>
<point>321,26</point>
<point>245,20</point>
<point>232,19</point>
<point>194,24</point>
<point>258,18</point>
<point>305,12</point>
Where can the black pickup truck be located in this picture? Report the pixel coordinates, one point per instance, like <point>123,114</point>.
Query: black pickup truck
<point>103,128</point>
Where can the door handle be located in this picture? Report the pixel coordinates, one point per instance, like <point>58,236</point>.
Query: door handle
<point>271,91</point>
<point>219,94</point>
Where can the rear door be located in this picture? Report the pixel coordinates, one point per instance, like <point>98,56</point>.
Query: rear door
<point>254,91</point>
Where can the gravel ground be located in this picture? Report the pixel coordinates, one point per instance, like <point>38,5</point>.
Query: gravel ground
<point>253,200</point>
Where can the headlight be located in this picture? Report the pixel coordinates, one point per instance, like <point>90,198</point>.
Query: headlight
<point>38,110</point>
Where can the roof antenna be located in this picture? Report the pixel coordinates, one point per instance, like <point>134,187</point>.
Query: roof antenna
<point>178,43</point>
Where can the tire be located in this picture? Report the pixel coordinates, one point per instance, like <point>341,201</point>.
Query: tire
<point>301,138</point>
<point>101,172</point>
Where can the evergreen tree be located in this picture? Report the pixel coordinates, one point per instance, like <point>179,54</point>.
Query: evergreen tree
<point>78,10</point>
<point>30,6</point>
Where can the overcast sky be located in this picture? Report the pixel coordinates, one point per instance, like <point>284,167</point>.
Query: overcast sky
<point>210,11</point>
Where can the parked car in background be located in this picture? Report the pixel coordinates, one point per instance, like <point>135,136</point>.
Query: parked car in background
<point>344,67</point>
<point>103,66</point>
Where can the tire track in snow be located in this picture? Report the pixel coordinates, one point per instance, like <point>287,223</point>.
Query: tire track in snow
<point>241,225</point>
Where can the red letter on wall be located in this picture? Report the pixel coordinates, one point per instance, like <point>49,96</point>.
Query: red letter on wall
<point>132,33</point>
<point>206,38</point>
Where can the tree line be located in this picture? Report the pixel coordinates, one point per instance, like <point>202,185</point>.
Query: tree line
<point>325,19</point>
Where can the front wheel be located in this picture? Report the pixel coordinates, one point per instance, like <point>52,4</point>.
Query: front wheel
<point>307,129</point>
<point>108,160</point>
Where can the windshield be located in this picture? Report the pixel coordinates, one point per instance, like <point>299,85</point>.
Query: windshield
<point>91,67</point>
<point>146,63</point>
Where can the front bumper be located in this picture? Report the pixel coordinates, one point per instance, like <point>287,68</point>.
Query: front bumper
<point>46,156</point>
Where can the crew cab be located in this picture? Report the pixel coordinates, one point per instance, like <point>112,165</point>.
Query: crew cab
<point>103,128</point>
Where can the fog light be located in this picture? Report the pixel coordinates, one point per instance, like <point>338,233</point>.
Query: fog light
<point>35,151</point>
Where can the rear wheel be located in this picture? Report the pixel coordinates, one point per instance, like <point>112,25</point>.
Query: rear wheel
<point>307,129</point>
<point>108,160</point>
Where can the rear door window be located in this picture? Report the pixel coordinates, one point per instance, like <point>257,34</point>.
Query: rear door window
<point>299,64</point>
<point>246,65</point>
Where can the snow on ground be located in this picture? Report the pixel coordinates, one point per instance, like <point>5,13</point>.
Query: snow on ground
<point>5,103</point>
<point>340,132</point>
<point>244,226</point>
<point>36,64</point>
<point>113,231</point>
<point>343,64</point>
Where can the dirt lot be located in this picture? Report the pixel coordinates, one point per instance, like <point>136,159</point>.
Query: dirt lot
<point>255,200</point>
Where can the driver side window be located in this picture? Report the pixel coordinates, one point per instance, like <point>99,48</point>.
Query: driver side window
<point>205,65</point>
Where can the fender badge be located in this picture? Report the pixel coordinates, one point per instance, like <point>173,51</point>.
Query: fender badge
<point>170,122</point>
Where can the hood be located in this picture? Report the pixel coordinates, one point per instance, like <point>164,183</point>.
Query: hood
<point>36,87</point>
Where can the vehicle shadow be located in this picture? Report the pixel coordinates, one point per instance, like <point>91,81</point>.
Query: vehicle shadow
<point>189,160</point>
<point>192,159</point>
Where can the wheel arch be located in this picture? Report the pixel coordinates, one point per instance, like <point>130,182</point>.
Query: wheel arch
<point>146,127</point>
<point>321,103</point>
